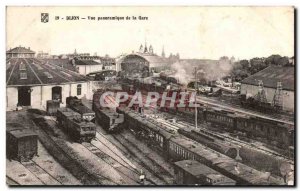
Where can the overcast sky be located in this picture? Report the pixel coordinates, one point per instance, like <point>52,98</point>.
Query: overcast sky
<point>193,32</point>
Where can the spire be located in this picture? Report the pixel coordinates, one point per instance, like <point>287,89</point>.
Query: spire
<point>150,49</point>
<point>146,49</point>
<point>163,52</point>
<point>141,48</point>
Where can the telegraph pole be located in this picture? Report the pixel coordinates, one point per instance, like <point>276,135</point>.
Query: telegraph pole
<point>196,88</point>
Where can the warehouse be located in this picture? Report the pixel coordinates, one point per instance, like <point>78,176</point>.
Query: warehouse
<point>30,82</point>
<point>277,83</point>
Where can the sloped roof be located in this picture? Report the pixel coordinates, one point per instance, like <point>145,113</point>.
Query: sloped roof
<point>22,133</point>
<point>20,50</point>
<point>38,72</point>
<point>86,62</point>
<point>153,59</point>
<point>64,63</point>
<point>273,74</point>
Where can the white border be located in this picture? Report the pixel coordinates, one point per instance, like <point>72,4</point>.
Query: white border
<point>4,3</point>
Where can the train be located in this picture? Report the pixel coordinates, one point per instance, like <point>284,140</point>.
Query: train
<point>108,118</point>
<point>175,147</point>
<point>76,104</point>
<point>21,143</point>
<point>76,127</point>
<point>190,172</point>
<point>279,134</point>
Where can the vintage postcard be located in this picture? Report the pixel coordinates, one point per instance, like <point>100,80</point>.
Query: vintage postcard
<point>150,96</point>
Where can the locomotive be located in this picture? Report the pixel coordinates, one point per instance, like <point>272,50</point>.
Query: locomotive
<point>79,129</point>
<point>75,104</point>
<point>21,143</point>
<point>176,147</point>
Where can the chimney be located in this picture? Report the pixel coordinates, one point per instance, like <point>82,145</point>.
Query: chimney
<point>28,48</point>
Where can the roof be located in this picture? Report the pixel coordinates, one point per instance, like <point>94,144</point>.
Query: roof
<point>195,168</point>
<point>32,71</point>
<point>225,163</point>
<point>153,59</point>
<point>273,74</point>
<point>20,50</point>
<point>86,62</point>
<point>22,133</point>
<point>64,63</point>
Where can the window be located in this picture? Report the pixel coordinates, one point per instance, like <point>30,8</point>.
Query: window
<point>49,76</point>
<point>79,89</point>
<point>23,75</point>
<point>22,67</point>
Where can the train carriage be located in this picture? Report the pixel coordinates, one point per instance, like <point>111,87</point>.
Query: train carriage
<point>191,172</point>
<point>21,143</point>
<point>221,118</point>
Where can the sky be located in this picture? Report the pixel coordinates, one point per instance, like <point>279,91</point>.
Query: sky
<point>193,32</point>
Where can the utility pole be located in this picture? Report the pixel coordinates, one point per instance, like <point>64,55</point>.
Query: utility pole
<point>196,88</point>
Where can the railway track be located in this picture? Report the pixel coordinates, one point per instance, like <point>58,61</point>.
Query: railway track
<point>130,176</point>
<point>234,140</point>
<point>151,177</point>
<point>69,163</point>
<point>183,123</point>
<point>40,173</point>
<point>146,160</point>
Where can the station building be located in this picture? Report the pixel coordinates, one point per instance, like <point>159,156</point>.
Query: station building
<point>20,52</point>
<point>274,80</point>
<point>142,63</point>
<point>31,82</point>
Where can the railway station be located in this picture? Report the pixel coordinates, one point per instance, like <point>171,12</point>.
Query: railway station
<point>54,108</point>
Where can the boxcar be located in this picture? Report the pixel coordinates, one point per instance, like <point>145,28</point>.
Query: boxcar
<point>74,126</point>
<point>109,119</point>
<point>191,172</point>
<point>52,106</point>
<point>21,144</point>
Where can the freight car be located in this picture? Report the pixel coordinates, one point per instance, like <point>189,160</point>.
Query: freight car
<point>176,147</point>
<point>110,120</point>
<point>21,143</point>
<point>76,104</point>
<point>190,172</point>
<point>77,128</point>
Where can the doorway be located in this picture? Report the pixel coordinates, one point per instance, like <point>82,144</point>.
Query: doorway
<point>56,93</point>
<point>24,96</point>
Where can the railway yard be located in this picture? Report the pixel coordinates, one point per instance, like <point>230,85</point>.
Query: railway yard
<point>84,144</point>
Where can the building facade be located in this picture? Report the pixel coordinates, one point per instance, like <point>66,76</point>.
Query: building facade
<point>20,52</point>
<point>32,82</point>
<point>275,80</point>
